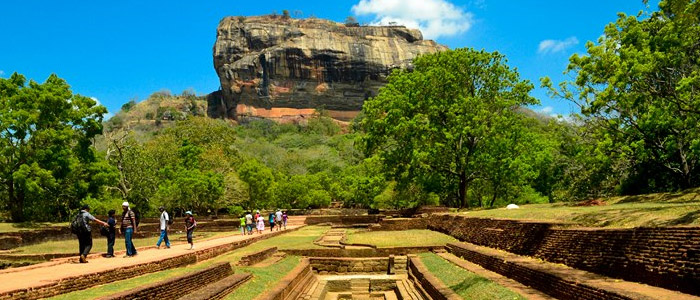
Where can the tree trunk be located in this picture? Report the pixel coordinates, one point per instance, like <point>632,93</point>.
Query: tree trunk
<point>462,193</point>
<point>16,202</point>
<point>493,199</point>
<point>550,197</point>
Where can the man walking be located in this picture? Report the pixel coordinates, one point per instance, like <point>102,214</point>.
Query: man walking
<point>111,233</point>
<point>128,228</point>
<point>85,234</point>
<point>164,221</point>
<point>249,222</point>
<point>278,219</point>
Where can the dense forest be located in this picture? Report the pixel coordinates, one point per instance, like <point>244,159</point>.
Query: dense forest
<point>455,130</point>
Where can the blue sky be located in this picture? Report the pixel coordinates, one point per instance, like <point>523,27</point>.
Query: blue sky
<point>121,50</point>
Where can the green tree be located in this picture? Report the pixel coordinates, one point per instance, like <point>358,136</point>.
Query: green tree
<point>441,117</point>
<point>45,145</point>
<point>638,87</point>
<point>259,178</point>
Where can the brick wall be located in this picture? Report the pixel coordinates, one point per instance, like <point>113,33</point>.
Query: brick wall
<point>176,287</point>
<point>349,265</point>
<point>374,252</point>
<point>401,224</point>
<point>219,289</point>
<point>343,220</point>
<point>665,257</point>
<point>257,257</point>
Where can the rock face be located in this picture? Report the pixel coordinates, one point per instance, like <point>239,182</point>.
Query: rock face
<point>279,67</point>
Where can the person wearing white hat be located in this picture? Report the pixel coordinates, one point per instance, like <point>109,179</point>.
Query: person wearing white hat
<point>190,224</point>
<point>128,228</point>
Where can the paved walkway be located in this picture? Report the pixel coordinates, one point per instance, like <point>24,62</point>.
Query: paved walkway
<point>51,272</point>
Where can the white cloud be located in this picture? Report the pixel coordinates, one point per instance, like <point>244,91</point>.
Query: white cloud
<point>2,72</point>
<point>546,110</point>
<point>106,116</point>
<point>555,46</point>
<point>435,18</point>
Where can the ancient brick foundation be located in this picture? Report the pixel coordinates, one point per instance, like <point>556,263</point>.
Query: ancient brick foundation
<point>289,285</point>
<point>343,220</point>
<point>430,284</point>
<point>257,257</point>
<point>350,265</point>
<point>219,289</point>
<point>401,224</point>
<point>176,287</point>
<point>664,257</point>
<point>372,252</point>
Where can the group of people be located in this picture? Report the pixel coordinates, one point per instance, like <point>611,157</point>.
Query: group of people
<point>128,226</point>
<point>257,222</point>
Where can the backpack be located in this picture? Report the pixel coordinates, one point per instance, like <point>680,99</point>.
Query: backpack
<point>78,226</point>
<point>137,214</point>
<point>170,219</point>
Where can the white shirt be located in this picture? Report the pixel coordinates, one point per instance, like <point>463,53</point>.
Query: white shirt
<point>164,218</point>
<point>278,216</point>
<point>249,219</point>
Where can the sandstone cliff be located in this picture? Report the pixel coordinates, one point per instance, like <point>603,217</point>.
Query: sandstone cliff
<point>276,67</point>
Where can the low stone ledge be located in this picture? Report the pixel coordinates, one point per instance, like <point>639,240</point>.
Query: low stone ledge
<point>219,289</point>
<point>433,286</point>
<point>558,280</point>
<point>257,257</point>
<point>370,252</point>
<point>287,286</point>
<point>347,265</point>
<point>178,286</point>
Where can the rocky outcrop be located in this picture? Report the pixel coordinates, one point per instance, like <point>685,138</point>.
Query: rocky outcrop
<point>275,67</point>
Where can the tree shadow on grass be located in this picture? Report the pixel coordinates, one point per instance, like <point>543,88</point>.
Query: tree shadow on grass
<point>686,219</point>
<point>467,284</point>
<point>687,196</point>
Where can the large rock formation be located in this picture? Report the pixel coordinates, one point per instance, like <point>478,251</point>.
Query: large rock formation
<point>280,67</point>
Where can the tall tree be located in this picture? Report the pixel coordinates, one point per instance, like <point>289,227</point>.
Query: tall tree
<point>45,143</point>
<point>442,117</point>
<point>640,87</point>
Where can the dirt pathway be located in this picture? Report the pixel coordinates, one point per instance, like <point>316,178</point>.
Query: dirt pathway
<point>52,272</point>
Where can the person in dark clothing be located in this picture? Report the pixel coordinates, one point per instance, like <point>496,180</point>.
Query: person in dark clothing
<point>85,236</point>
<point>128,228</point>
<point>190,224</point>
<point>111,236</point>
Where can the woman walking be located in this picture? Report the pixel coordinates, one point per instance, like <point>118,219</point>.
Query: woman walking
<point>190,224</point>
<point>261,224</point>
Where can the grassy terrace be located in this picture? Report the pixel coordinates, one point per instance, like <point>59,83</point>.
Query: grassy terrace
<point>466,284</point>
<point>662,209</point>
<point>406,238</point>
<point>264,278</point>
<point>15,227</point>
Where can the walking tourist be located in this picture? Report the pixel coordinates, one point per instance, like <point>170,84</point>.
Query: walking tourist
<point>278,219</point>
<point>164,222</point>
<point>111,233</point>
<point>243,224</point>
<point>249,222</point>
<point>255,218</point>
<point>271,219</point>
<point>190,224</point>
<point>128,227</point>
<point>261,224</point>
<point>284,219</point>
<point>85,232</point>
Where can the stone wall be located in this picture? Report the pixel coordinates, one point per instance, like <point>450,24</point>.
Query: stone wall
<point>257,257</point>
<point>373,252</point>
<point>219,289</point>
<point>664,257</point>
<point>401,224</point>
<point>349,265</point>
<point>343,220</point>
<point>176,287</point>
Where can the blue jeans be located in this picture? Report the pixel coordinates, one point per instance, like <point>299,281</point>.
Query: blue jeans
<point>130,249</point>
<point>163,236</point>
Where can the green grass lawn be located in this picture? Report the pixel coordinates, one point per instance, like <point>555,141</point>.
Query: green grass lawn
<point>405,238</point>
<point>297,239</point>
<point>663,209</point>
<point>15,227</point>
<point>263,278</point>
<point>466,284</point>
<point>99,245</point>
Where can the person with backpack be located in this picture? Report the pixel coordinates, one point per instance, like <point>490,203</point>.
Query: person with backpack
<point>81,227</point>
<point>164,224</point>
<point>271,219</point>
<point>190,224</point>
<point>111,233</point>
<point>128,227</point>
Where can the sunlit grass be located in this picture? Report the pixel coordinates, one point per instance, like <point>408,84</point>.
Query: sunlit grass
<point>405,238</point>
<point>466,284</point>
